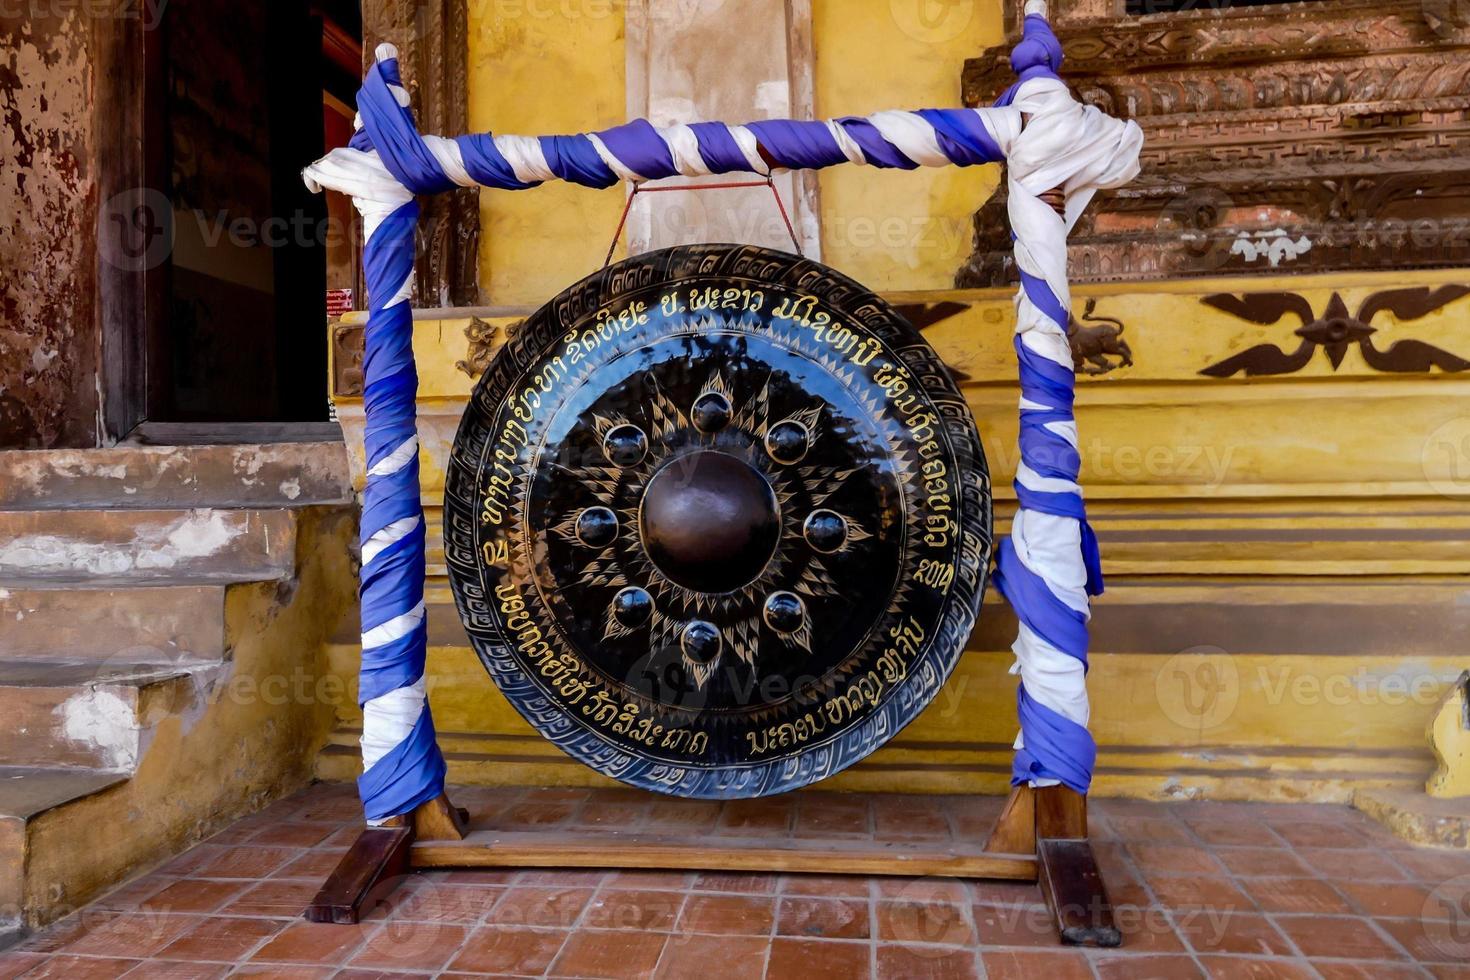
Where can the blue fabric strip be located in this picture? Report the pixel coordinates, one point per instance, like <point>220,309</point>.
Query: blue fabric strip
<point>394,136</point>
<point>877,150</point>
<point>962,136</point>
<point>575,160</point>
<point>1055,747</point>
<point>640,148</point>
<point>411,773</point>
<point>1035,605</point>
<point>486,165</point>
<point>798,145</point>
<point>718,149</point>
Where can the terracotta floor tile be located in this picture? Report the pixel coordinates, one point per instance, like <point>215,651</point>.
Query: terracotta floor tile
<point>1028,965</point>
<point>1015,925</point>
<point>819,959</point>
<point>1359,864</point>
<point>13,964</point>
<point>623,816</point>
<point>738,884</point>
<point>821,918</point>
<point>543,907</point>
<point>827,886</point>
<point>1310,834</point>
<point>911,825</point>
<point>247,861</point>
<point>924,890</point>
<point>740,915</point>
<point>1336,936</point>
<point>1153,830</point>
<point>817,818</point>
<point>1252,968</point>
<point>643,880</point>
<point>1261,862</point>
<point>133,894</point>
<point>772,815</point>
<point>502,950</point>
<point>276,899</point>
<point>293,833</point>
<point>133,934</point>
<point>945,923</point>
<point>1431,940</point>
<point>68,929</point>
<point>1212,931</point>
<point>561,878</point>
<point>646,910</point>
<point>313,943</point>
<point>275,971</point>
<point>926,963</point>
<point>175,970</point>
<point>1148,929</point>
<point>315,864</point>
<point>1296,895</point>
<point>220,940</point>
<point>1022,893</point>
<point>1445,972</point>
<point>1341,970</point>
<point>65,967</point>
<point>1148,968</point>
<point>1387,899</point>
<point>1432,864</point>
<point>416,946</point>
<point>705,957</point>
<point>1200,892</point>
<point>194,895</point>
<point>436,901</point>
<point>1174,859</point>
<point>1233,832</point>
<point>610,955</point>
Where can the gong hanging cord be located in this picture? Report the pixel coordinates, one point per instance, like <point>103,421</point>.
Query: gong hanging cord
<point>1047,568</point>
<point>723,186</point>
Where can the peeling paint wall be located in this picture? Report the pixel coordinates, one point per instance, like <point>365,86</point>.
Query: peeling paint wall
<point>48,256</point>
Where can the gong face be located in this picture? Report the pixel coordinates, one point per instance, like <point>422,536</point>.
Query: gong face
<point>717,521</point>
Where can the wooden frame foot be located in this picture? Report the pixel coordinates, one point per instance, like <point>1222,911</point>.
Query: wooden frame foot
<point>1041,836</point>
<point>368,871</point>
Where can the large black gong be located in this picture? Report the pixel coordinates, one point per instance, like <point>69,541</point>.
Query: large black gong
<point>718,521</point>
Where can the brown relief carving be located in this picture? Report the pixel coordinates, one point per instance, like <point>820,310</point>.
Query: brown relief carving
<point>1335,331</point>
<point>347,354</point>
<point>1094,345</point>
<point>479,349</point>
<point>433,49</point>
<point>1278,138</point>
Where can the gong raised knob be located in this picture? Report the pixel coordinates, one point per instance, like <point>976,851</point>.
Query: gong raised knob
<point>710,522</point>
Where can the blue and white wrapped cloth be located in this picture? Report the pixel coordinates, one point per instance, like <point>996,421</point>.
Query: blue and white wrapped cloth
<point>1047,140</point>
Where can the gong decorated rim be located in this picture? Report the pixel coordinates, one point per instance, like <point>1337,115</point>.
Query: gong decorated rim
<point>717,521</point>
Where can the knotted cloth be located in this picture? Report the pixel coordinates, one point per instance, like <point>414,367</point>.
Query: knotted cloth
<point>1048,567</point>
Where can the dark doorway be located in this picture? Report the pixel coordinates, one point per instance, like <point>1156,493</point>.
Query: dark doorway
<point>247,95</point>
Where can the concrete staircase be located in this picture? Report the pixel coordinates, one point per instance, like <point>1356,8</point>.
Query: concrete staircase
<point>162,614</point>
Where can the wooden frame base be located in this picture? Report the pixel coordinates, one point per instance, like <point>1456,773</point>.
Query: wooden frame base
<point>1041,836</point>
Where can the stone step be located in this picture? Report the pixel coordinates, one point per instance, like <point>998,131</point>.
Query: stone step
<point>175,477</point>
<point>70,621</point>
<point>28,794</point>
<point>93,715</point>
<point>101,548</point>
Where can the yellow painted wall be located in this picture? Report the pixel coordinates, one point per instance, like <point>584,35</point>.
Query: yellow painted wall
<point>560,68</point>
<point>538,69</point>
<point>892,229</point>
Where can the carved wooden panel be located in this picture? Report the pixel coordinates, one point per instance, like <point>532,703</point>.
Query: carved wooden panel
<point>1279,138</point>
<point>433,48</point>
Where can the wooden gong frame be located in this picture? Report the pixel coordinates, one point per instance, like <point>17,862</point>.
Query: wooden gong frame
<point>1041,836</point>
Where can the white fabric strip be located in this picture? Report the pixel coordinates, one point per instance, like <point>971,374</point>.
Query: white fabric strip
<point>389,719</point>
<point>386,538</point>
<point>394,629</point>
<point>397,459</point>
<point>913,135</point>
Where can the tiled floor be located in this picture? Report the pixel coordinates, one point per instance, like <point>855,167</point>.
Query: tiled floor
<point>1219,890</point>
